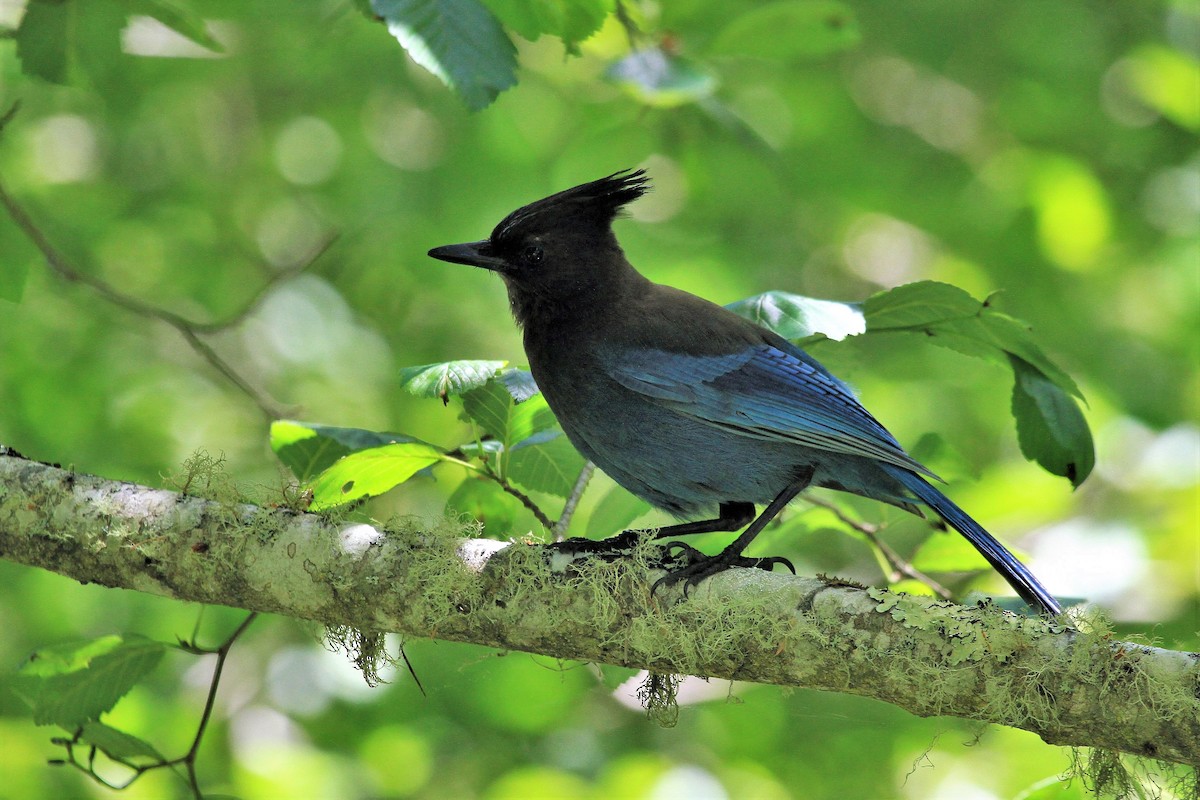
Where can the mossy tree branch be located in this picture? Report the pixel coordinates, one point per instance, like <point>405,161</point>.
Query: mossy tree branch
<point>929,657</point>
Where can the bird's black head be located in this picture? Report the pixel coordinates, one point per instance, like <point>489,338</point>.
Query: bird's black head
<point>560,251</point>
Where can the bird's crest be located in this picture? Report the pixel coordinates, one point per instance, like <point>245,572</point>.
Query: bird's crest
<point>599,202</point>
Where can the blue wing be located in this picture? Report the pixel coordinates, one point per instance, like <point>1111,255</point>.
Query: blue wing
<point>762,392</point>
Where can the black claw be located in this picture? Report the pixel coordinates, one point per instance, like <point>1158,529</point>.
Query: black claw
<point>701,566</point>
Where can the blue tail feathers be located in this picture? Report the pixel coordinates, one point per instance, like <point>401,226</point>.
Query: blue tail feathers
<point>1004,562</point>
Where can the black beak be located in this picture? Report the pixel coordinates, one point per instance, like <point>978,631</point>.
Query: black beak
<point>474,254</point>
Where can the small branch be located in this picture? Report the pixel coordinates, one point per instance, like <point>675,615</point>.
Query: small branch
<point>188,329</point>
<point>899,566</point>
<point>564,521</point>
<point>930,657</point>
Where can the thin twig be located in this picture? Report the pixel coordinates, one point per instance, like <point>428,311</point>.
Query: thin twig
<point>190,330</point>
<point>564,521</point>
<point>899,566</point>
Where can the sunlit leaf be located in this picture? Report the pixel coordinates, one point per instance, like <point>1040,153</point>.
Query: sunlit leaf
<point>1050,427</point>
<point>448,378</point>
<point>800,29</point>
<point>459,41</point>
<point>306,448</point>
<point>69,684</point>
<point>371,472</point>
<point>794,316</point>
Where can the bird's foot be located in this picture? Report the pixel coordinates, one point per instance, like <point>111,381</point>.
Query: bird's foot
<point>609,549</point>
<point>701,566</point>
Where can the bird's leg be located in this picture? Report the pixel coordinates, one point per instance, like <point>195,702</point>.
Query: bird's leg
<point>732,516</point>
<point>702,566</point>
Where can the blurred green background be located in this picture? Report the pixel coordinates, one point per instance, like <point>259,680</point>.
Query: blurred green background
<point>1044,150</point>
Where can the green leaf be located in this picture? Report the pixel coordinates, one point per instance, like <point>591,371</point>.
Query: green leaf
<point>493,409</point>
<point>448,378</point>
<point>459,41</point>
<point>43,39</point>
<point>547,462</point>
<point>794,316</point>
<point>790,31</point>
<point>306,448</point>
<point>1015,338</point>
<point>370,472</point>
<point>70,684</point>
<point>657,78</point>
<point>182,20</point>
<point>483,499</point>
<point>571,21</point>
<point>118,744</point>
<point>916,305</point>
<point>1050,427</point>
<point>520,383</point>
<point>615,512</point>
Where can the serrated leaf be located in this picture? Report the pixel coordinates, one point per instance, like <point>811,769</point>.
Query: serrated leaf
<point>656,78</point>
<point>483,499</point>
<point>1050,427</point>
<point>370,472</point>
<point>790,31</point>
<point>69,684</point>
<point>570,21</point>
<point>1015,337</point>
<point>548,463</point>
<point>916,305</point>
<point>448,378</point>
<point>794,316</point>
<point>520,383</point>
<point>493,409</point>
<point>116,743</point>
<point>459,41</point>
<point>615,512</point>
<point>306,448</point>
<point>182,20</point>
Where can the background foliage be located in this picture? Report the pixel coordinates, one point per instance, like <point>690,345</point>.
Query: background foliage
<point>1046,151</point>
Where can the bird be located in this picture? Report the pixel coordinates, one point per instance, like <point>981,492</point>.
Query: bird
<point>687,405</point>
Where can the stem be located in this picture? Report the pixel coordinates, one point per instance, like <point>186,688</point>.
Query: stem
<point>564,521</point>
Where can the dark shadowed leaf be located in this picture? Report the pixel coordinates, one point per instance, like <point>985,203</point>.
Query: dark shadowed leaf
<point>459,41</point>
<point>519,382</point>
<point>1050,427</point>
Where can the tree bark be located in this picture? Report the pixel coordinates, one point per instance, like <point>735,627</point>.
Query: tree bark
<point>1070,686</point>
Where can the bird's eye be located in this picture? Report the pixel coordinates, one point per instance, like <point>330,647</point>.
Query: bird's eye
<point>532,255</point>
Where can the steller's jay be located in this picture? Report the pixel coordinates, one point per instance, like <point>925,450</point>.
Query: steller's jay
<point>684,403</point>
